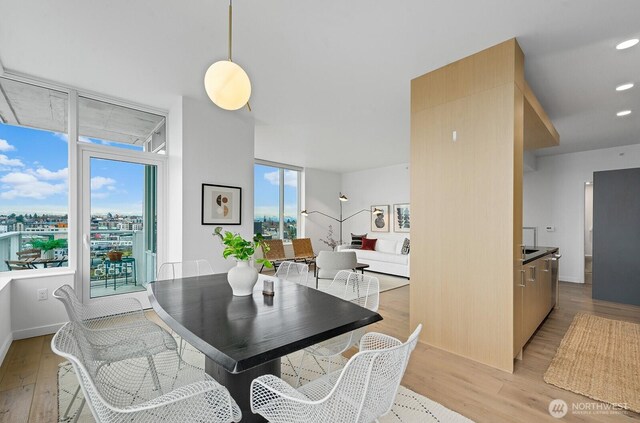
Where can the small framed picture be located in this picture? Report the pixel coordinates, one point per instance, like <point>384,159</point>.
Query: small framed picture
<point>402,217</point>
<point>380,218</point>
<point>221,205</point>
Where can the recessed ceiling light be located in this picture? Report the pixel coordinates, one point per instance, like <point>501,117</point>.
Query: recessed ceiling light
<point>627,44</point>
<point>624,113</point>
<point>624,87</point>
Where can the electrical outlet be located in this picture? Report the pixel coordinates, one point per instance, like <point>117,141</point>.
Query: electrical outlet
<point>43,294</point>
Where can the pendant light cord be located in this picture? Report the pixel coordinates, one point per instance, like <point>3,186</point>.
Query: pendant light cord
<point>230,24</point>
<point>230,36</point>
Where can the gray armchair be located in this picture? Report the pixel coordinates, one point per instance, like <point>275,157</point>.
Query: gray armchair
<point>329,263</point>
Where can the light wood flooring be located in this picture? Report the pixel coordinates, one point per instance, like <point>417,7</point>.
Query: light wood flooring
<point>28,374</point>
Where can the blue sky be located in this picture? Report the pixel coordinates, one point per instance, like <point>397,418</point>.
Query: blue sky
<point>34,175</point>
<point>267,192</point>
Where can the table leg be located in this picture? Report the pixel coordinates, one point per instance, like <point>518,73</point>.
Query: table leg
<point>239,384</point>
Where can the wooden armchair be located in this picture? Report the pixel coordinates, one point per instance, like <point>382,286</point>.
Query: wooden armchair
<point>303,250</point>
<point>275,254</point>
<point>32,253</point>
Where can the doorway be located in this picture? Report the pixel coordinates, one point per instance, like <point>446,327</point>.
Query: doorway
<point>120,222</point>
<point>588,232</point>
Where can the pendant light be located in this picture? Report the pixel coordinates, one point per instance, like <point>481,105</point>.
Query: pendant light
<point>226,83</point>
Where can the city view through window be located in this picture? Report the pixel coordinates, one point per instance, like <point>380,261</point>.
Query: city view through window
<point>276,209</point>
<point>33,198</point>
<point>34,186</point>
<point>34,201</point>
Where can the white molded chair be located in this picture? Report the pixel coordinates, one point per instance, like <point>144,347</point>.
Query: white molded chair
<point>130,390</point>
<point>363,290</point>
<point>184,269</point>
<point>360,393</point>
<point>294,272</point>
<point>329,263</point>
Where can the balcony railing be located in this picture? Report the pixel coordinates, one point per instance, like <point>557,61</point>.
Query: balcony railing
<point>131,243</point>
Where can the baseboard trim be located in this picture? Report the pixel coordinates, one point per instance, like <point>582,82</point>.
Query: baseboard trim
<point>569,279</point>
<point>37,331</point>
<point>4,349</point>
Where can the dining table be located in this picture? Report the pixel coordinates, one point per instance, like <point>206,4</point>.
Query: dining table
<point>243,338</point>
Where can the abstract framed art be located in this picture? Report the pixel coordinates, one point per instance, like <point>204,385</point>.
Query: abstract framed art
<point>402,217</point>
<point>380,221</point>
<point>221,205</point>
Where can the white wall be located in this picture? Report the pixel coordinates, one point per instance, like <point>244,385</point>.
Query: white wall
<point>321,192</point>
<point>554,196</point>
<point>380,186</point>
<point>5,317</point>
<point>217,148</point>
<point>174,184</point>
<point>31,317</point>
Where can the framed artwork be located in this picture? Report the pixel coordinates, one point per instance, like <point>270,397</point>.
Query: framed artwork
<point>380,222</point>
<point>402,217</point>
<point>221,205</point>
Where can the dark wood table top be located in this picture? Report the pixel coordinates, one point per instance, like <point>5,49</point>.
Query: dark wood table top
<point>239,333</point>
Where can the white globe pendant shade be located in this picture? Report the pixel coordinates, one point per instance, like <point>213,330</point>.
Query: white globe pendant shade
<point>227,85</point>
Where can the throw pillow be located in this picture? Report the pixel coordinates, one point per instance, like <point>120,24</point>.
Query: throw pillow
<point>356,241</point>
<point>369,243</point>
<point>406,246</point>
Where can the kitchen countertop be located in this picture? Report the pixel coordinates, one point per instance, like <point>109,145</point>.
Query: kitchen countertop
<point>542,251</point>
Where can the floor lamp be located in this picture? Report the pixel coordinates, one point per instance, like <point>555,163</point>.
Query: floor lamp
<point>343,198</point>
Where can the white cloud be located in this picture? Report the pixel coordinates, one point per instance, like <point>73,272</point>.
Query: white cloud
<point>81,138</point>
<point>25,185</point>
<point>63,137</point>
<point>98,182</point>
<point>48,175</point>
<point>5,146</point>
<point>290,178</point>
<point>5,161</point>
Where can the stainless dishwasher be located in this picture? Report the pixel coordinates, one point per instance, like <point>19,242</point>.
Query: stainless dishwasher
<point>555,291</point>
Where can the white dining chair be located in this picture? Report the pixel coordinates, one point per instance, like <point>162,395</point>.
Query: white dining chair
<point>294,272</point>
<point>130,390</point>
<point>183,269</point>
<point>363,391</point>
<point>363,290</point>
<point>109,323</point>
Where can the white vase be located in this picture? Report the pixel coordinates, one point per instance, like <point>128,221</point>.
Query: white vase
<point>242,279</point>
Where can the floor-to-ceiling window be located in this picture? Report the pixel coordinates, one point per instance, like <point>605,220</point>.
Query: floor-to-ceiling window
<point>80,185</point>
<point>34,177</point>
<point>276,200</point>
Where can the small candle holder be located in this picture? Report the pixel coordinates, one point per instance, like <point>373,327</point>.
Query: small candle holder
<point>267,288</point>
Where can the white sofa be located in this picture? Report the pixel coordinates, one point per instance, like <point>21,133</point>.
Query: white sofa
<point>387,257</point>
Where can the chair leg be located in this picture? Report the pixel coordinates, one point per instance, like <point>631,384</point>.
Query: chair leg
<point>73,399</point>
<point>154,373</point>
<point>299,370</point>
<point>75,419</point>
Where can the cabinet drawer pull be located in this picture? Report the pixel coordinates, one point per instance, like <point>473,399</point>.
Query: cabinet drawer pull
<point>522,282</point>
<point>533,273</point>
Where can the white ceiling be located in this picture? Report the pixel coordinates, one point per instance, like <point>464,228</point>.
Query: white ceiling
<point>331,78</point>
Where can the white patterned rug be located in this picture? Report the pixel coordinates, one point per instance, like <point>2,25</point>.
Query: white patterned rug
<point>409,406</point>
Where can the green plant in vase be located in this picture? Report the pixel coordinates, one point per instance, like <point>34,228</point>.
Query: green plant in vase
<point>243,276</point>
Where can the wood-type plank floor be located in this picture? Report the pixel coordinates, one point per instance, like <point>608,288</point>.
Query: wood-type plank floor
<point>28,373</point>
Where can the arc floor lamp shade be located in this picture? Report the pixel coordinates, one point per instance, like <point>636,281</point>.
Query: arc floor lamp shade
<point>227,85</point>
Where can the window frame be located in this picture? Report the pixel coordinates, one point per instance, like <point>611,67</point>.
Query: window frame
<point>281,168</point>
<point>74,163</point>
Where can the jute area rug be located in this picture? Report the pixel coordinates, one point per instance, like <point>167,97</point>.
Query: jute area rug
<point>409,406</point>
<point>599,358</point>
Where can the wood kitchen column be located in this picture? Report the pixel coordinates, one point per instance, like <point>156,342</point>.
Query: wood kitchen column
<point>466,194</point>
